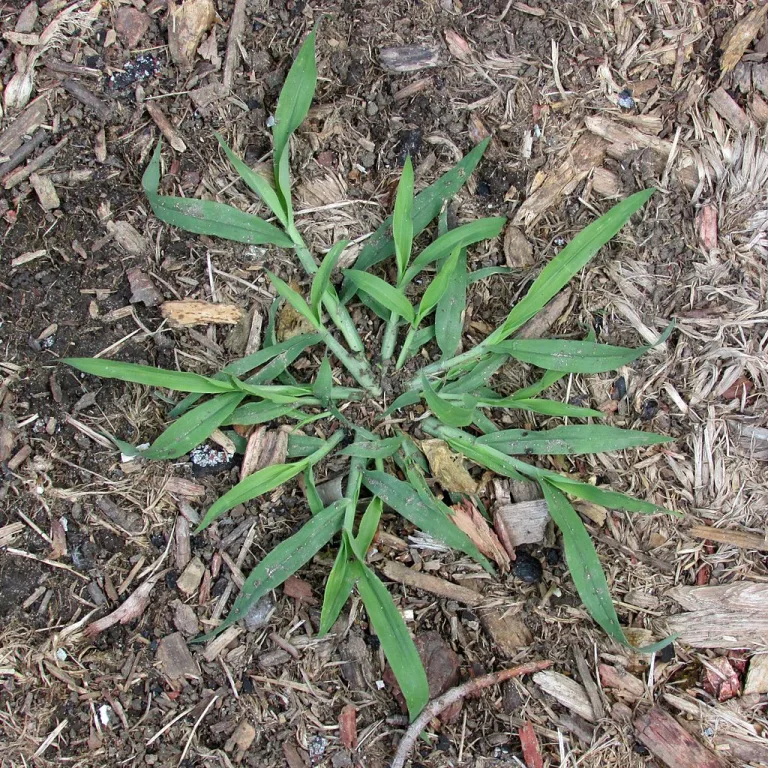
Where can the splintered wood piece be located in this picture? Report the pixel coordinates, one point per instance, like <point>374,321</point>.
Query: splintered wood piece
<point>738,39</point>
<point>741,539</point>
<point>45,191</point>
<point>589,684</point>
<point>408,58</point>
<point>468,518</point>
<point>731,616</point>
<point>191,577</point>
<point>165,126</point>
<point>175,659</point>
<point>530,746</point>
<point>623,684</point>
<point>729,110</point>
<point>606,183</point>
<point>567,692</point>
<point>24,125</point>
<point>538,326</point>
<point>432,584</point>
<point>522,523</point>
<point>191,312</point>
<point>188,22</point>
<point>669,742</point>
<point>586,155</point>
<point>749,440</point>
<point>218,644</point>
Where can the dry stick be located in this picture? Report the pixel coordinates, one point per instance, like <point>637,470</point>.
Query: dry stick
<point>236,29</point>
<point>456,694</point>
<point>213,700</point>
<point>21,174</point>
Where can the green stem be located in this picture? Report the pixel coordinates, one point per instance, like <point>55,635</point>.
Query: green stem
<point>354,481</point>
<point>322,452</point>
<point>469,356</point>
<point>357,366</point>
<point>403,356</point>
<point>390,338</point>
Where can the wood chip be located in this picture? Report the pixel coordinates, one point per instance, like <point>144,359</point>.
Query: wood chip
<point>218,644</point>
<point>670,743</point>
<point>299,589</point>
<point>586,155</point>
<point>128,237</point>
<point>448,467</point>
<point>175,659</point>
<point>240,741</point>
<point>232,56</point>
<point>731,616</point>
<point>408,58</point>
<point>469,519</point>
<point>589,684</point>
<point>553,312</point>
<point>27,18</point>
<point>521,523</point>
<point>621,682</point>
<point>265,447</point>
<point>518,252</point>
<point>738,39</point>
<point>130,25</point>
<point>757,675</point>
<point>191,577</point>
<point>165,126</point>
<point>143,290</point>
<point>185,618</point>
<point>729,110</point>
<point>182,548</point>
<point>741,539</point>
<point>432,584</point>
<point>22,174</point>
<point>192,312</point>
<point>187,25</point>
<point>348,726</point>
<point>606,183</point>
<point>567,692</point>
<point>133,608</point>
<point>126,519</point>
<point>748,439</point>
<point>24,125</point>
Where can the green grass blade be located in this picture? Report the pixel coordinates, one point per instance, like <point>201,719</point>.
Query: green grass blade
<point>445,411</point>
<point>420,338</point>
<point>323,385</point>
<point>193,427</point>
<point>179,381</point>
<point>373,449</point>
<point>262,412</point>
<point>303,445</point>
<point>261,186</point>
<point>206,217</point>
<point>292,107</point>
<point>403,401</point>
<point>369,524</point>
<point>322,279</point>
<point>579,438</point>
<point>382,292</point>
<point>283,561</point>
<point>254,485</point>
<point>438,286</point>
<point>426,205</point>
<point>313,498</point>
<point>460,237</point>
<point>396,641</point>
<point>295,299</point>
<point>573,356</point>
<point>338,587</point>
<point>545,408</point>
<point>376,307</point>
<point>481,274</point>
<point>427,513</point>
<point>569,262</point>
<point>449,316</point>
<point>402,221</point>
<point>547,380</point>
<point>478,376</point>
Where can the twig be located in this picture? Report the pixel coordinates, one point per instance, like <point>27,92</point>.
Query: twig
<point>46,561</point>
<point>236,29</point>
<point>21,174</point>
<point>456,694</point>
<point>199,720</point>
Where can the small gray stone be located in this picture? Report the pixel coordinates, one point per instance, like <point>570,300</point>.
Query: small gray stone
<point>185,618</point>
<point>191,577</point>
<point>258,614</point>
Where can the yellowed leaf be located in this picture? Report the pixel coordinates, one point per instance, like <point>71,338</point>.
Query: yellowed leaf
<point>467,517</point>
<point>289,322</point>
<point>448,467</point>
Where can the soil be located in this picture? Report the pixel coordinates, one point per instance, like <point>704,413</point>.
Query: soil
<point>108,695</point>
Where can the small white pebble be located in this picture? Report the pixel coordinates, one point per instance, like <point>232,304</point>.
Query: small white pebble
<point>61,654</point>
<point>380,685</point>
<point>408,614</point>
<point>105,712</point>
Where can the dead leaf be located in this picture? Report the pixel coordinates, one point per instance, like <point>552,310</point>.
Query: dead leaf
<point>289,322</point>
<point>467,517</point>
<point>530,746</point>
<point>348,726</point>
<point>174,658</point>
<point>265,448</point>
<point>736,42</point>
<point>706,226</point>
<point>458,46</point>
<point>131,609</point>
<point>58,540</point>
<point>518,252</point>
<point>448,467</point>
<point>190,312</point>
<point>187,24</point>
<point>143,290</point>
<point>299,590</point>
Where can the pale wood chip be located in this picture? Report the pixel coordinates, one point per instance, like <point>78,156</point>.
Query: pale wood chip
<point>193,312</point>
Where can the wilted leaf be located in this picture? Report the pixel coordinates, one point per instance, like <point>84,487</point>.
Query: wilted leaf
<point>467,517</point>
<point>448,467</point>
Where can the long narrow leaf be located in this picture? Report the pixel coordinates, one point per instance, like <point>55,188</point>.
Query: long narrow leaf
<point>449,413</point>
<point>383,292</point>
<point>193,427</point>
<point>449,315</point>
<point>438,286</point>
<point>179,381</point>
<point>573,356</point>
<point>322,279</point>
<point>260,185</point>
<point>296,300</point>
<point>460,237</point>
<point>402,221</point>
<point>262,412</point>
<point>585,568</point>
<point>207,217</point>
<point>429,517</point>
<point>292,107</point>
<point>338,587</point>
<point>396,641</point>
<point>373,449</point>
<point>426,206</point>
<point>580,438</point>
<point>283,561</point>
<point>544,407</point>
<point>569,262</point>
